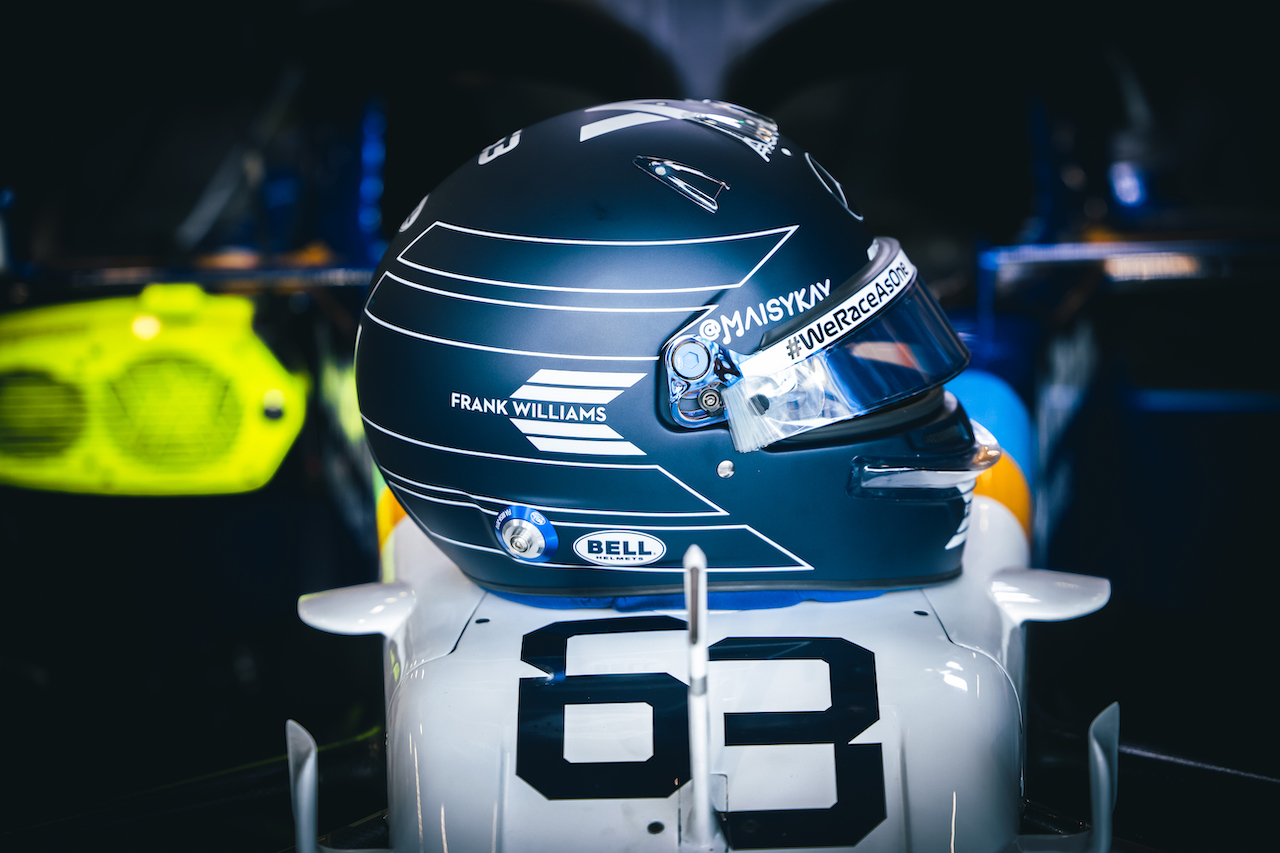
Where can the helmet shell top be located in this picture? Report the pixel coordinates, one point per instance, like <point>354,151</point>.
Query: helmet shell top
<point>510,366</point>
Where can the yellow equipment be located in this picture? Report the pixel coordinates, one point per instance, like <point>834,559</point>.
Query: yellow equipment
<point>169,392</point>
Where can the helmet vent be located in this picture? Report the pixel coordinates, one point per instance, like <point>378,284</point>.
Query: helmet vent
<point>172,412</point>
<point>832,185</point>
<point>943,436</point>
<point>39,416</point>
<point>952,433</point>
<point>673,174</point>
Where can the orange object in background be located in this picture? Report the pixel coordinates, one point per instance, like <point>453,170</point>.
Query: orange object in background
<point>1006,483</point>
<point>389,514</point>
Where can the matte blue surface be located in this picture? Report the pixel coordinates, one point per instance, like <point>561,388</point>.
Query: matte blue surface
<point>762,600</point>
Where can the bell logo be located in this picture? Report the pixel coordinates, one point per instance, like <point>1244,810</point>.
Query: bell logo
<point>619,548</point>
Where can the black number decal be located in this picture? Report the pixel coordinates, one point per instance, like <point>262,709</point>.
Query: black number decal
<point>540,757</point>
<point>860,803</point>
<point>859,768</point>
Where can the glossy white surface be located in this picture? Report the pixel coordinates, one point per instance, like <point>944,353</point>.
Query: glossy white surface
<point>370,608</point>
<point>985,609</point>
<point>949,730</point>
<point>947,661</point>
<point>609,731</point>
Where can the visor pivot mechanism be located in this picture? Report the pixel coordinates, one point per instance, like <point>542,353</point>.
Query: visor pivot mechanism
<point>698,372</point>
<point>711,401</point>
<point>526,534</point>
<point>690,359</point>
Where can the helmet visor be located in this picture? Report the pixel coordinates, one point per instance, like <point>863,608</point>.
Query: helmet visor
<point>885,341</point>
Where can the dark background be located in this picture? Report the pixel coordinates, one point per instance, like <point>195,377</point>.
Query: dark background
<point>149,642</point>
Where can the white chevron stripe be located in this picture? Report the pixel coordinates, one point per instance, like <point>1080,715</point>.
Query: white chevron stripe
<point>560,428</point>
<point>609,125</point>
<point>476,499</point>
<point>586,378</point>
<point>555,394</point>
<point>783,233</point>
<point>482,348</point>
<point>590,448</point>
<point>537,306</point>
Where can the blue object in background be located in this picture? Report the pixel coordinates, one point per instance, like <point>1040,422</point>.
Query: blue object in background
<point>350,196</point>
<point>373,155</point>
<point>1007,346</point>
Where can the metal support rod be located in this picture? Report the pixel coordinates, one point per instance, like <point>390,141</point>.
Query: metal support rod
<point>303,785</point>
<point>698,832</point>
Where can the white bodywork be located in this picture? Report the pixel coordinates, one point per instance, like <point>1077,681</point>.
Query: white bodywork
<point>947,663</point>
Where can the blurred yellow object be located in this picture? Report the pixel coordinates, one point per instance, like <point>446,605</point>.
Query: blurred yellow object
<point>1005,482</point>
<point>389,514</point>
<point>166,393</point>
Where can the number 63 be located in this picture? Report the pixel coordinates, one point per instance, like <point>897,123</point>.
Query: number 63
<point>859,768</point>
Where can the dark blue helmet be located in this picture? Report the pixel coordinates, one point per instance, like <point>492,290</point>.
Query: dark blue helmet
<point>650,324</point>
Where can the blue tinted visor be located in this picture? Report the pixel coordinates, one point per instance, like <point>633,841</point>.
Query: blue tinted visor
<point>885,339</point>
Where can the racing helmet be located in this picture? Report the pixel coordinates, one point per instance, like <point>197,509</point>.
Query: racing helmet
<point>657,323</point>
